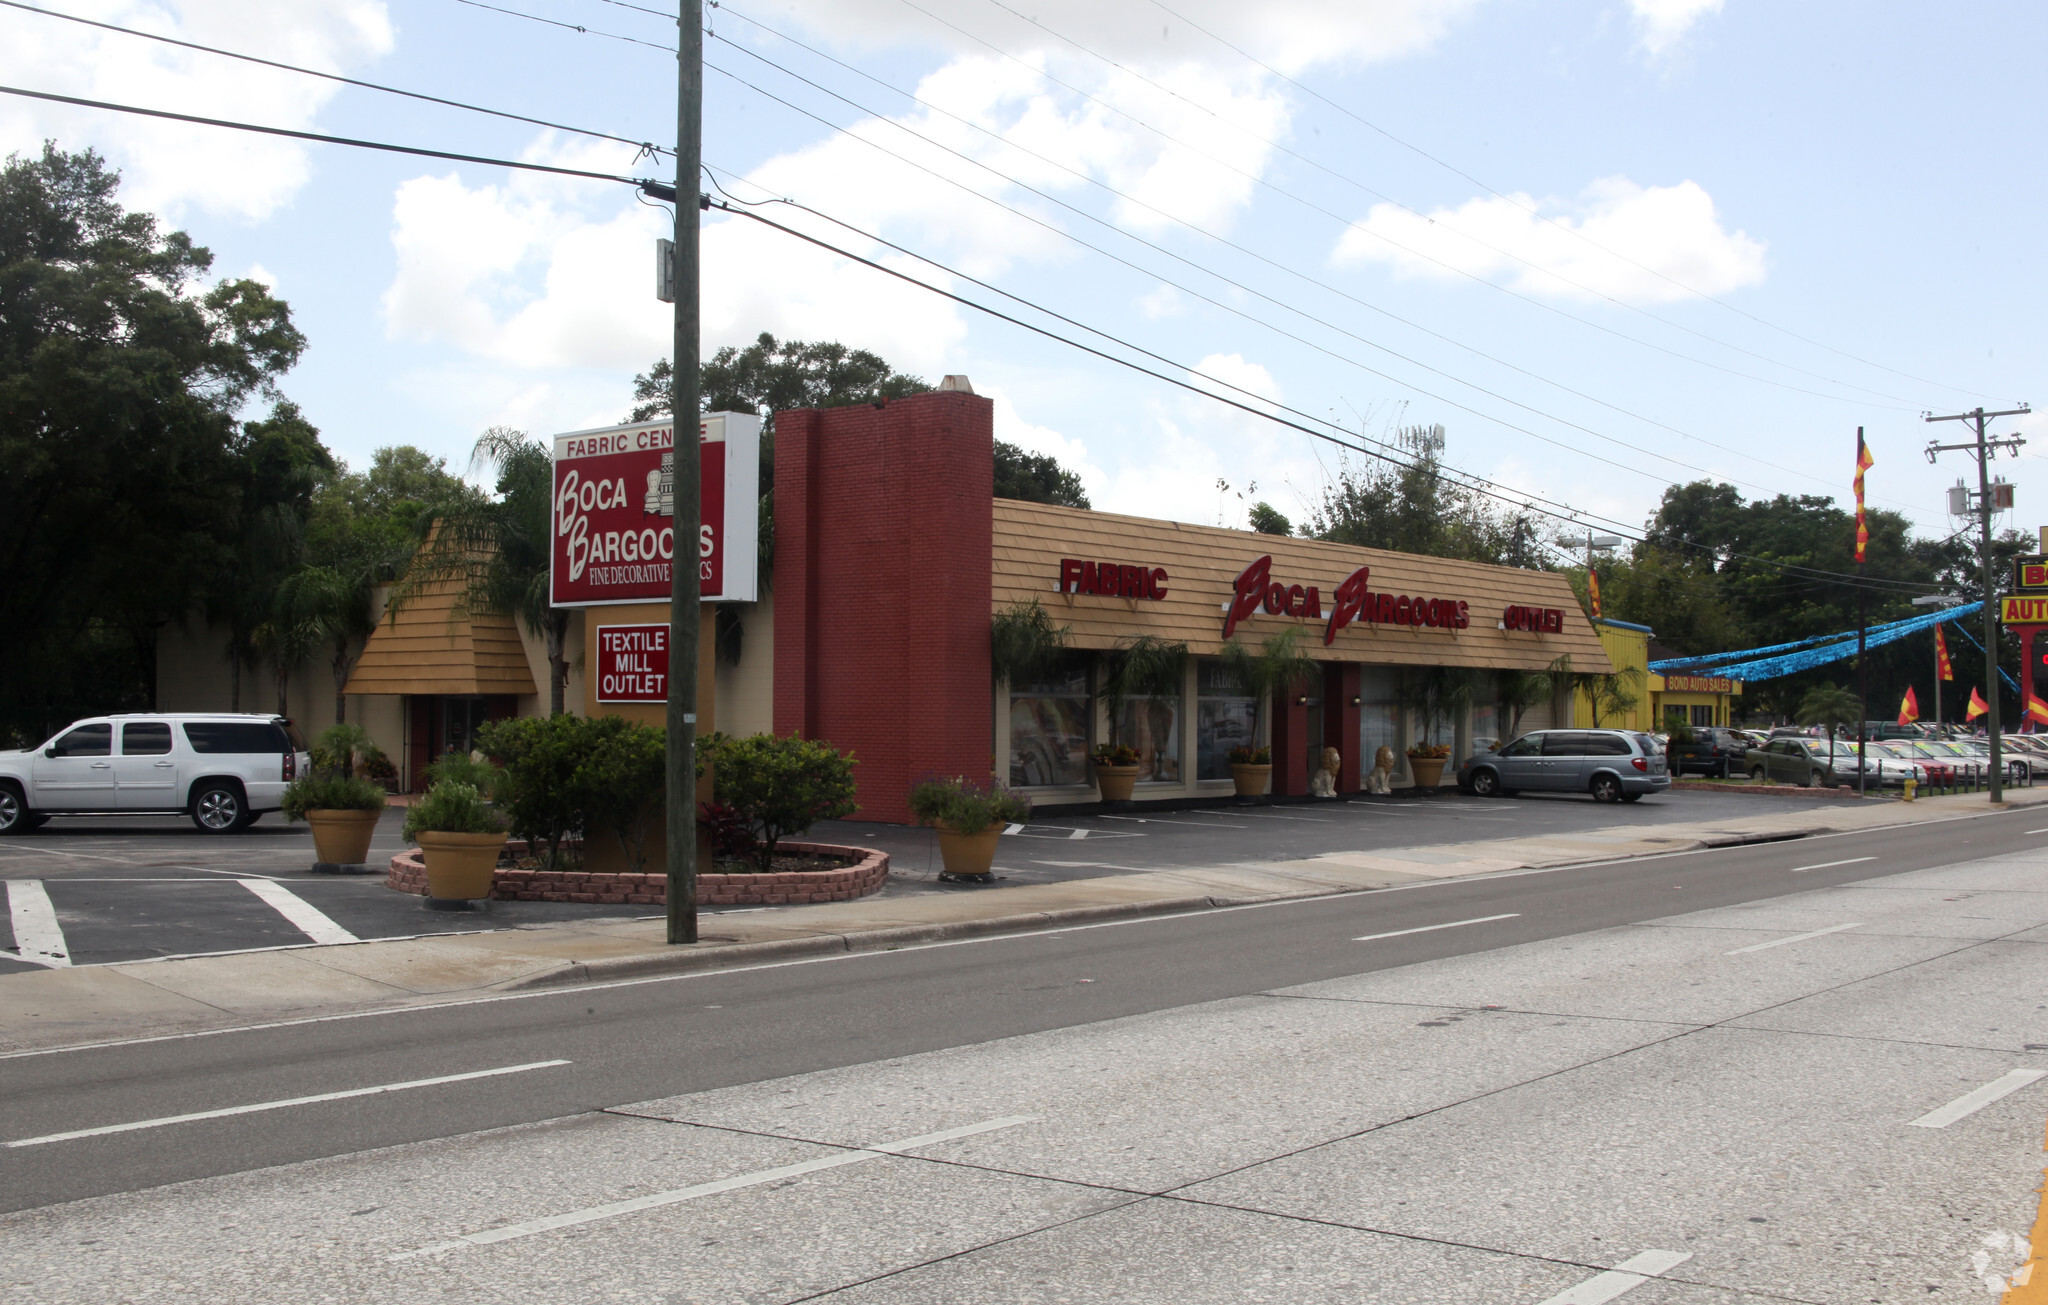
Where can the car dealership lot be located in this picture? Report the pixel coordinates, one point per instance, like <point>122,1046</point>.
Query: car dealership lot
<point>89,891</point>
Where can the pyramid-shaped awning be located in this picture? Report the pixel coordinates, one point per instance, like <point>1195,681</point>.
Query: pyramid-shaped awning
<point>430,646</point>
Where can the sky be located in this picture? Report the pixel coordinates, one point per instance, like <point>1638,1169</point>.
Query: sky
<point>1608,246</point>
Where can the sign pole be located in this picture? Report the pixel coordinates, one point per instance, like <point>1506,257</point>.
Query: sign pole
<point>685,589</point>
<point>1862,676</point>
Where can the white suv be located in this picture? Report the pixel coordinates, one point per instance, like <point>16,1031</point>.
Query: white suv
<point>223,769</point>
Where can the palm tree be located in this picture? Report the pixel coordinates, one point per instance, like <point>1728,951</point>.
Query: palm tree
<point>284,645</point>
<point>1521,690</point>
<point>1141,667</point>
<point>1277,668</point>
<point>498,549</point>
<point>335,606</point>
<point>1828,706</point>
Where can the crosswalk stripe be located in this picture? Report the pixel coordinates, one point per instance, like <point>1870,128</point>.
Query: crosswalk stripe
<point>310,919</point>
<point>38,938</point>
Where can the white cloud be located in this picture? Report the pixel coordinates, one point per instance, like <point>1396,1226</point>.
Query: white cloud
<point>1662,24</point>
<point>1164,301</point>
<point>168,166</point>
<point>1633,238</point>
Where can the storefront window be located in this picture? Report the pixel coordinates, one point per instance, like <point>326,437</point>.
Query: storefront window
<point>1152,726</point>
<point>1223,720</point>
<point>1485,727</point>
<point>1379,716</point>
<point>1049,726</point>
<point>1703,714</point>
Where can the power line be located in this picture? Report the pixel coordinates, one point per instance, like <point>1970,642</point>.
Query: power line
<point>574,27</point>
<point>1348,224</point>
<point>335,77</point>
<point>1222,240</point>
<point>1573,232</point>
<point>321,137</point>
<point>1480,486</point>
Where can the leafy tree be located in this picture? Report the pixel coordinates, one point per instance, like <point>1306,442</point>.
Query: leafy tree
<point>1036,478</point>
<point>1268,520</point>
<point>1414,507</point>
<point>782,786</point>
<point>281,464</point>
<point>121,376</point>
<point>498,549</point>
<point>1828,706</point>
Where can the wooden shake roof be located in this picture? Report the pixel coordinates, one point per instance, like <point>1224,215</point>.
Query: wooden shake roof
<point>1202,562</point>
<point>428,646</point>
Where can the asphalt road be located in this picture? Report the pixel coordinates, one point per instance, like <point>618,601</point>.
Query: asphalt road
<point>636,1041</point>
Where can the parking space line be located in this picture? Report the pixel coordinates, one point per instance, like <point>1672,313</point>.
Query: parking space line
<point>1268,815</point>
<point>1077,835</point>
<point>38,938</point>
<point>1155,820</point>
<point>1797,937</point>
<point>308,918</point>
<point>258,1106</point>
<point>1432,928</point>
<point>1626,1276</point>
<point>1829,865</point>
<point>1971,1102</point>
<point>1014,829</point>
<point>655,1200</point>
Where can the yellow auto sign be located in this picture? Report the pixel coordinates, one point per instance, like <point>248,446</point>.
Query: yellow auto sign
<point>2023,611</point>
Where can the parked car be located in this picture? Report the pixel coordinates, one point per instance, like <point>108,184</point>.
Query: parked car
<point>1943,768</point>
<point>1714,750</point>
<point>222,769</point>
<point>2020,765</point>
<point>1809,762</point>
<point>1612,765</point>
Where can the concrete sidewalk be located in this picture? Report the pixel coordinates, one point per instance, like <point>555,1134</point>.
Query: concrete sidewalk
<point>60,1007</point>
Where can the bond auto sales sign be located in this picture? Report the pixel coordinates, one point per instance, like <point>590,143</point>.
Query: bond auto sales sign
<point>614,513</point>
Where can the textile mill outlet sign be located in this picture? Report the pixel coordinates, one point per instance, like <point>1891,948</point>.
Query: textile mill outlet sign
<point>613,514</point>
<point>632,663</point>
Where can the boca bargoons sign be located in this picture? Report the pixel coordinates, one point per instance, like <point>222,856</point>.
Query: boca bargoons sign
<point>614,513</point>
<point>1255,590</point>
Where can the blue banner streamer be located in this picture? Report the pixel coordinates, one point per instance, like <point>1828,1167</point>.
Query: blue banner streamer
<point>1770,668</point>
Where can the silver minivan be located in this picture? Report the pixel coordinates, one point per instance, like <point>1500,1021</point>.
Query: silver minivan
<point>1612,765</point>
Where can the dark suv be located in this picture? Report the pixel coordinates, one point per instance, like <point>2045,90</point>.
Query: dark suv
<point>1713,751</point>
<point>1612,765</point>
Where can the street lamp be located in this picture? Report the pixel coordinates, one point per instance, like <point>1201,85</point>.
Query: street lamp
<point>1593,543</point>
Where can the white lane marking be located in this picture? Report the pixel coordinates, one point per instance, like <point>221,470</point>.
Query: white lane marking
<point>1829,865</point>
<point>1014,829</point>
<point>1797,937</point>
<point>578,991</point>
<point>1095,865</point>
<point>1626,1276</point>
<point>1267,815</point>
<point>259,1106</point>
<point>2038,831</point>
<point>1430,928</point>
<point>1155,820</point>
<point>37,935</point>
<point>129,860</point>
<point>1077,835</point>
<point>310,919</point>
<point>655,1200</point>
<point>1971,1102</point>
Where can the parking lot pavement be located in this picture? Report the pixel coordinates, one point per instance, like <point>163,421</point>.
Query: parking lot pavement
<point>1831,1096</point>
<point>90,891</point>
<point>1054,848</point>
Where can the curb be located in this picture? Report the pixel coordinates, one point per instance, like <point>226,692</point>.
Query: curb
<point>875,940</point>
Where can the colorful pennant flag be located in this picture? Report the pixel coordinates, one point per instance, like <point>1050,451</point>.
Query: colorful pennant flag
<point>1977,705</point>
<point>1863,463</point>
<point>2037,711</point>
<point>1941,663</point>
<point>1593,590</point>
<point>1909,710</point>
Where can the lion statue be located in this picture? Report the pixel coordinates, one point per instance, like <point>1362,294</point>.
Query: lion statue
<point>1382,778</point>
<point>1324,785</point>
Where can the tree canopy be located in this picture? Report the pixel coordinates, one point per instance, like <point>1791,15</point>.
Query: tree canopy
<point>1414,507</point>
<point>131,483</point>
<point>1036,478</point>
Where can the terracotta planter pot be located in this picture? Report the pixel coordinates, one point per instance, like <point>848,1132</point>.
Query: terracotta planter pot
<point>1251,781</point>
<point>342,837</point>
<point>1115,781</point>
<point>969,854</point>
<point>1428,771</point>
<point>459,866</point>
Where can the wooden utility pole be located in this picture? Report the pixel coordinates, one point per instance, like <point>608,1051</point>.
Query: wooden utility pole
<point>685,590</point>
<point>1862,677</point>
<point>1985,450</point>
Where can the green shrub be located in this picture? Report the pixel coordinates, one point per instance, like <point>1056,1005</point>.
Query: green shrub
<point>782,787</point>
<point>452,807</point>
<point>537,791</point>
<point>967,808</point>
<point>464,768</point>
<point>619,780</point>
<point>318,792</point>
<point>341,747</point>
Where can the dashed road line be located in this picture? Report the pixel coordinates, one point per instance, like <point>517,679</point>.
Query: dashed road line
<point>259,1106</point>
<point>38,938</point>
<point>1626,1276</point>
<point>1797,937</point>
<point>1829,865</point>
<point>309,919</point>
<point>1971,1102</point>
<point>655,1200</point>
<point>1432,928</point>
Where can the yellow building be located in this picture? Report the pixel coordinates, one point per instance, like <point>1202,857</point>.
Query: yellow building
<point>1622,702</point>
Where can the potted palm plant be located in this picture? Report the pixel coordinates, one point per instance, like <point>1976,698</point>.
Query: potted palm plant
<point>1277,668</point>
<point>969,818</point>
<point>341,806</point>
<point>1136,669</point>
<point>1251,769</point>
<point>459,832</point>
<point>1426,763</point>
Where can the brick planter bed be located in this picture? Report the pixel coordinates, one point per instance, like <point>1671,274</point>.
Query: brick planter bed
<point>783,888</point>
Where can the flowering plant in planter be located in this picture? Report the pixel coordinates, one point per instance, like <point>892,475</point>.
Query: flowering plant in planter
<point>1114,754</point>
<point>965,807</point>
<point>1244,756</point>
<point>1430,751</point>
